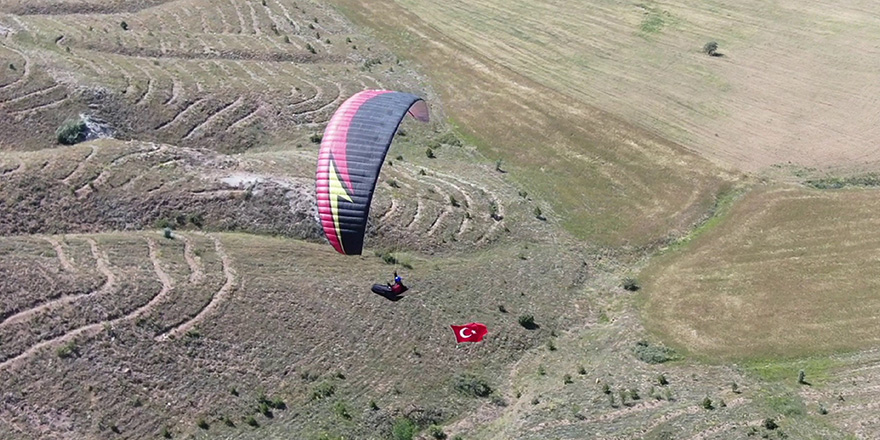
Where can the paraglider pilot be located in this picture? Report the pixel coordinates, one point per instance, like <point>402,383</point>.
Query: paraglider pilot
<point>398,287</point>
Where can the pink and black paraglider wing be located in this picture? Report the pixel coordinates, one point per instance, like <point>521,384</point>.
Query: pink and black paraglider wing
<point>353,149</point>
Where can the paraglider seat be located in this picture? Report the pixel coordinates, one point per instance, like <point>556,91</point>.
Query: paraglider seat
<point>392,292</point>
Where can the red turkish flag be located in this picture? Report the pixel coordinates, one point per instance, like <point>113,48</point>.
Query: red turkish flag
<point>472,332</point>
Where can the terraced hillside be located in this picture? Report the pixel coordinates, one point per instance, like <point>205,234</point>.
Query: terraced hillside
<point>224,75</point>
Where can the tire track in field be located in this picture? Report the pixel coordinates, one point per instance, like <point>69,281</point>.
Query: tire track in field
<point>103,267</point>
<point>196,270</point>
<point>216,299</point>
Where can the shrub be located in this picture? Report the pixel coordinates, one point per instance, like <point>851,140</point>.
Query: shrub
<point>706,403</point>
<point>72,131</point>
<point>527,321</point>
<point>316,138</point>
<point>124,26</point>
<point>341,410</point>
<point>606,389</point>
<point>539,214</point>
<point>168,233</point>
<point>501,308</point>
<point>202,424</point>
<point>287,39</point>
<point>472,385</point>
<point>769,424</point>
<point>551,346</point>
<point>430,153</point>
<point>634,393</point>
<point>567,379</point>
<point>661,379</point>
<point>541,370</point>
<point>631,284</point>
<point>498,166</point>
<point>802,377</point>
<point>165,432</point>
<point>436,432</point>
<point>68,350</point>
<point>403,429</point>
<point>11,66</point>
<point>453,201</point>
<point>582,370</point>
<point>322,390</point>
<point>250,420</point>
<point>710,48</point>
<point>373,405</point>
<point>653,354</point>
<point>822,409</point>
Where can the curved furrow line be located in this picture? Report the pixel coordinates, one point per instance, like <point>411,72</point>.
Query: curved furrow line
<point>277,21</point>
<point>327,106</point>
<point>254,22</point>
<point>167,183</point>
<point>241,65</point>
<point>216,299</point>
<point>318,96</point>
<point>66,179</point>
<point>109,284</point>
<point>180,114</point>
<point>145,98</point>
<point>269,72</point>
<point>219,113</point>
<point>244,120</point>
<point>391,210</point>
<point>39,108</point>
<point>44,91</point>
<point>21,167</point>
<point>224,21</point>
<point>129,84</point>
<point>213,16</point>
<point>465,222</point>
<point>176,89</point>
<point>109,168</point>
<point>59,252</point>
<point>167,285</point>
<point>241,22</point>
<point>27,68</point>
<point>230,75</point>
<point>181,66</point>
<point>196,270</point>
<point>447,209</point>
<point>222,194</point>
<point>290,21</point>
<point>417,215</point>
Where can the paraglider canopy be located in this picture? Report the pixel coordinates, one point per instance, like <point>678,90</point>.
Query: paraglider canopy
<point>353,149</point>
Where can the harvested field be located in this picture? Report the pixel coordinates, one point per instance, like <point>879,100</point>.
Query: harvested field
<point>788,271</point>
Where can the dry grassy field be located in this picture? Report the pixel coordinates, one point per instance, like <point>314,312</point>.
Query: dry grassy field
<point>796,81</point>
<point>578,149</point>
<point>789,271</point>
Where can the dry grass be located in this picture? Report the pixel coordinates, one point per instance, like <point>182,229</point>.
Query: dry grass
<point>794,83</point>
<point>610,182</point>
<point>788,272</point>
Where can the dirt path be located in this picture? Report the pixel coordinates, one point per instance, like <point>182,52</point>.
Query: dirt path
<point>216,299</point>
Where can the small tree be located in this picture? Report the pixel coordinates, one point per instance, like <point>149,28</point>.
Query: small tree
<point>706,403</point>
<point>527,321</point>
<point>124,26</point>
<point>430,153</point>
<point>71,131</point>
<point>711,48</point>
<point>802,377</point>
